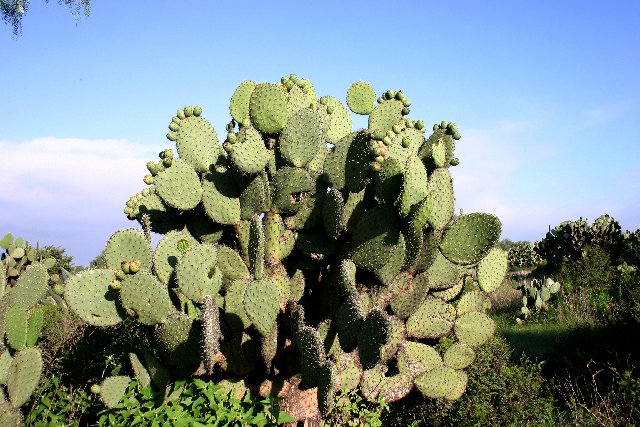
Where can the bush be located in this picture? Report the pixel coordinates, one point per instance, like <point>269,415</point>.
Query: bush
<point>499,393</point>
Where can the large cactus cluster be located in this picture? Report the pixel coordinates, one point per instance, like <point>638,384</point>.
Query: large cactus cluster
<point>302,255</point>
<point>566,241</point>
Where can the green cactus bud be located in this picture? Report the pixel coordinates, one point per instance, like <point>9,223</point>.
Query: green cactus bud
<point>419,124</point>
<point>380,100</point>
<point>389,94</point>
<point>379,159</point>
<point>444,124</point>
<point>125,267</point>
<point>175,120</point>
<point>167,161</point>
<point>197,110</point>
<point>375,166</point>
<point>120,275</point>
<point>95,389</point>
<point>406,142</point>
<point>115,284</point>
<point>128,210</point>
<point>232,138</point>
<point>151,166</point>
<point>148,179</point>
<point>58,289</point>
<point>180,114</point>
<point>405,111</point>
<point>386,140</point>
<point>408,123</point>
<point>168,154</point>
<point>329,109</point>
<point>174,126</point>
<point>377,134</point>
<point>134,266</point>
<point>145,192</point>
<point>130,203</point>
<point>294,78</point>
<point>406,103</point>
<point>172,136</point>
<point>396,129</point>
<point>456,136</point>
<point>436,127</point>
<point>400,96</point>
<point>188,111</point>
<point>455,162</point>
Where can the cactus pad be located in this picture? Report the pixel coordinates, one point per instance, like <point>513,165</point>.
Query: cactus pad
<point>262,304</point>
<point>474,329</point>
<point>375,237</point>
<point>470,237</point>
<point>196,272</point>
<point>24,375</point>
<point>459,356</point>
<point>16,323</point>
<point>90,297</point>
<point>179,185</point>
<point>142,375</point>
<point>302,137</point>
<point>179,339</point>
<point>343,166</point>
<point>361,98</point>
<point>221,196</point>
<point>198,144</point>
<point>433,319</point>
<point>239,105</point>
<point>112,389</point>
<point>127,245</point>
<point>492,269</point>
<point>31,286</point>
<point>143,295</point>
<point>268,108</point>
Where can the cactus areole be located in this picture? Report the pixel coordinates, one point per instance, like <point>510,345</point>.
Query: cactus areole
<point>328,252</point>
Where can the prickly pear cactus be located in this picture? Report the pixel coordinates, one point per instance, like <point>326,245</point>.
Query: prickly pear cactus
<point>535,295</point>
<point>304,252</point>
<point>566,241</point>
<point>25,282</point>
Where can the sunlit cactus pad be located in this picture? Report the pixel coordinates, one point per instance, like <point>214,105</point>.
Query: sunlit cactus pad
<point>303,251</point>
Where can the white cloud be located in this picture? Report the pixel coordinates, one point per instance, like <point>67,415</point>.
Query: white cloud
<point>70,192</point>
<point>608,112</point>
<point>489,159</point>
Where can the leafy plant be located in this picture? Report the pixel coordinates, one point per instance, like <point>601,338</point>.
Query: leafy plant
<point>193,403</point>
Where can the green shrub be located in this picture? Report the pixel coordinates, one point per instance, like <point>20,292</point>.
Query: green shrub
<point>499,393</point>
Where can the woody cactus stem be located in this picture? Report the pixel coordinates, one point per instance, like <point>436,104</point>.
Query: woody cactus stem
<point>330,252</point>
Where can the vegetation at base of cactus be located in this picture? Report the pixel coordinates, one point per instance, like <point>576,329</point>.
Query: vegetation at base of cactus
<point>310,251</point>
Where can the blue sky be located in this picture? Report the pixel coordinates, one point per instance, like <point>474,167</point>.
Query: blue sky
<point>545,95</point>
